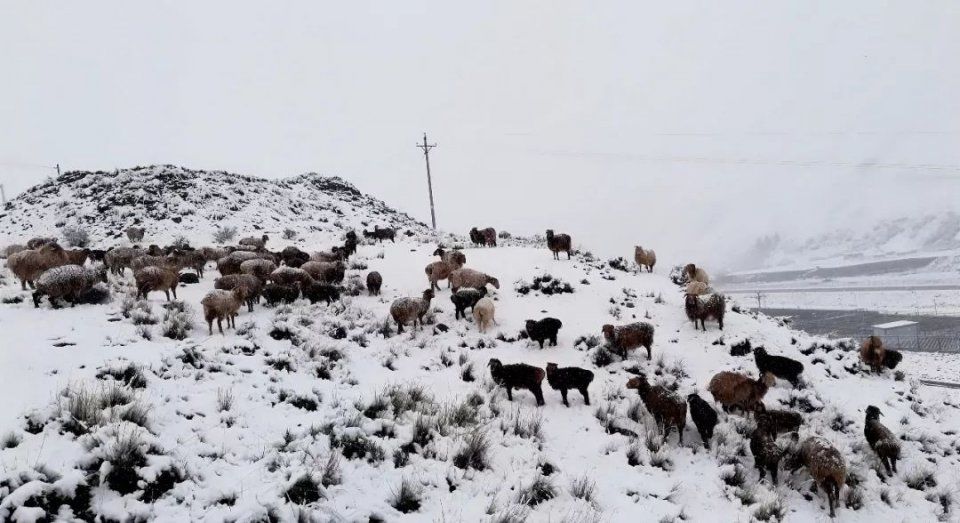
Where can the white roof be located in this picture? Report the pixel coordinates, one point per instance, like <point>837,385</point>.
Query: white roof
<point>895,324</point>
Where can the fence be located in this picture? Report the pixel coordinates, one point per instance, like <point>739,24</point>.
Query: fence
<point>920,343</point>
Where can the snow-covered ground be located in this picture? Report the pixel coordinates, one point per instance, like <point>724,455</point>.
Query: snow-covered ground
<point>915,301</point>
<point>238,419</point>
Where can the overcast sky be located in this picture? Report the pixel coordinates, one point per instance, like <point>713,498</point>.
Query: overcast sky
<point>691,127</point>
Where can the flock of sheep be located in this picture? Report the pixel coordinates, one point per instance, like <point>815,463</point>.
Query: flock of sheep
<point>250,272</point>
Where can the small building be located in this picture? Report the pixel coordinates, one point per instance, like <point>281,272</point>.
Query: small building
<point>902,334</point>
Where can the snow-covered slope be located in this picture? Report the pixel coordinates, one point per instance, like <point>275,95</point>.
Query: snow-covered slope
<point>174,201</point>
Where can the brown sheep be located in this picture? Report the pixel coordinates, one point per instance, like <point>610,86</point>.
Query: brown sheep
<point>694,273</point>
<point>36,243</point>
<point>28,265</point>
<point>826,465</point>
<point>329,272</point>
<point>881,440</point>
<point>624,338</point>
<point>713,308</point>
<point>290,276</point>
<point>10,250</point>
<point>192,259</point>
<point>668,409</point>
<point>374,282</point>
<point>465,277</point>
<point>733,390</point>
<point>558,243</point>
<point>697,288</point>
<point>258,267</point>
<point>78,256</point>
<point>154,278</point>
<point>872,353</point>
<point>120,258</point>
<point>222,305</point>
<point>230,264</point>
<point>135,234</point>
<point>438,270</point>
<point>250,287</point>
<point>256,243</point>
<point>455,257</point>
<point>644,258</point>
<point>407,310</point>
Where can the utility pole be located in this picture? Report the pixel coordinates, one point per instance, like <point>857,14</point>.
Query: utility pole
<point>3,195</point>
<point>759,297</point>
<point>58,170</point>
<point>426,155</point>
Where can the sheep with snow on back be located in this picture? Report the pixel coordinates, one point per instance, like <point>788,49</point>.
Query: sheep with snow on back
<point>28,265</point>
<point>36,243</point>
<point>410,310</point>
<point>290,276</point>
<point>668,409</point>
<point>483,314</point>
<point>77,256</point>
<point>464,298</point>
<point>438,270</point>
<point>120,258</point>
<point>293,256</point>
<point>318,291</point>
<point>881,440</point>
<point>780,366</point>
<point>12,249</point>
<point>230,264</point>
<point>222,305</point>
<point>766,453</point>
<point>699,310</point>
<point>253,241</point>
<point>275,293</point>
<point>135,234</point>
<point>624,338</point>
<point>329,272</point>
<point>704,417</point>
<point>644,258</point>
<point>544,330</point>
<point>465,277</point>
<point>733,390</point>
<point>872,353</point>
<point>697,288</point>
<point>213,254</point>
<point>154,278</point>
<point>334,255</point>
<point>558,243</point>
<point>566,378</point>
<point>250,287</point>
<point>152,261</point>
<point>518,376</point>
<point>825,464</point>
<point>777,421</point>
<point>68,282</point>
<point>374,282</point>
<point>694,273</point>
<point>190,259</point>
<point>454,257</point>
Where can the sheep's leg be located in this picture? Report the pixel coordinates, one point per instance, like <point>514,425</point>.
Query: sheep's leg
<point>23,285</point>
<point>32,286</point>
<point>563,393</point>
<point>399,327</point>
<point>649,355</point>
<point>893,461</point>
<point>538,393</point>
<point>720,321</point>
<point>831,497</point>
<point>174,293</point>
<point>36,300</point>
<point>773,473</point>
<point>586,396</point>
<point>759,466</point>
<point>167,293</point>
<point>210,325</point>
<point>220,324</point>
<point>509,393</point>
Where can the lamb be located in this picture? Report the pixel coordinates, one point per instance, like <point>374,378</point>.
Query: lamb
<point>67,281</point>
<point>222,305</point>
<point>294,257</point>
<point>697,288</point>
<point>230,264</point>
<point>623,338</point>
<point>250,287</point>
<point>258,267</point>
<point>374,282</point>
<point>711,309</point>
<point>78,256</point>
<point>566,378</point>
<point>275,293</point>
<point>518,376</point>
<point>36,243</point>
<point>644,258</point>
<point>694,273</point>
<point>466,298</point>
<point>329,272</point>
<point>766,453</point>
<point>881,440</point>
<point>252,241</point>
<point>704,417</point>
<point>406,310</point>
<point>544,330</point>
<point>872,353</point>
<point>668,409</point>
<point>28,265</point>
<point>776,421</point>
<point>317,291</point>
<point>135,234</point>
<point>826,466</point>
<point>438,270</point>
<point>780,366</point>
<point>454,257</point>
<point>290,276</point>
<point>120,258</point>
<point>154,278</point>
<point>733,390</point>
<point>558,243</point>
<point>465,277</point>
<point>483,314</point>
<point>892,358</point>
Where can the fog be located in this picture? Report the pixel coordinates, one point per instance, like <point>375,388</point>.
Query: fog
<point>692,128</point>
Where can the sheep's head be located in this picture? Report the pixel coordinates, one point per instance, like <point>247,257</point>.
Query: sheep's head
<point>495,365</point>
<point>608,331</point>
<point>493,281</point>
<point>760,352</point>
<point>549,233</point>
<point>692,396</point>
<point>638,382</point>
<point>690,270</point>
<point>530,325</point>
<point>873,413</point>
<point>692,301</point>
<point>768,379</point>
<point>439,252</point>
<point>551,368</point>
<point>428,294</point>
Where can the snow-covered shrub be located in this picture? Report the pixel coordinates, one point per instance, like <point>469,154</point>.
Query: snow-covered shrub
<point>474,453</point>
<point>76,236</point>
<point>303,490</point>
<point>545,285</point>
<point>539,490</point>
<point>354,445</point>
<point>407,498</point>
<point>177,321</point>
<point>289,234</point>
<point>130,375</point>
<point>10,440</point>
<point>225,234</point>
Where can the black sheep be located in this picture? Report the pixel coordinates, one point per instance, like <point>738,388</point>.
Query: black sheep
<point>892,358</point>
<point>518,376</point>
<point>881,440</point>
<point>766,453</point>
<point>566,378</point>
<point>780,366</point>
<point>275,293</point>
<point>464,298</point>
<point>543,330</point>
<point>777,421</point>
<point>704,417</point>
<point>317,291</point>
<point>711,309</point>
<point>374,282</point>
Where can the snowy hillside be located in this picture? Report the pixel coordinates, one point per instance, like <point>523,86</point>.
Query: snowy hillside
<point>175,201</point>
<point>325,413</point>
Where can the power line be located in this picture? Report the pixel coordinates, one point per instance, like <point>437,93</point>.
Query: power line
<point>426,155</point>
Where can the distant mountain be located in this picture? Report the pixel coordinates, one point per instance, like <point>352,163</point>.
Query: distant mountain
<point>172,201</point>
